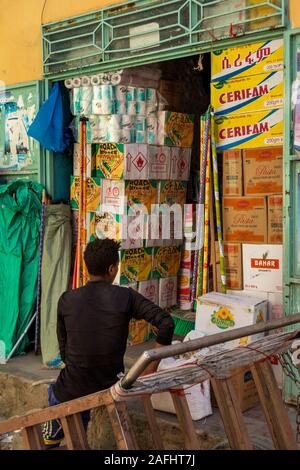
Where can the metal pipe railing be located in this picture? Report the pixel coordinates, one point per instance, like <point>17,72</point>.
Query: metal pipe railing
<point>168,351</point>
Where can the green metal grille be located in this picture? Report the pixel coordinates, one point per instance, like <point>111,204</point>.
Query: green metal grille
<point>147,29</point>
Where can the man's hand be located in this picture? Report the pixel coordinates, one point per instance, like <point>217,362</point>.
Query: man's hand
<point>152,367</point>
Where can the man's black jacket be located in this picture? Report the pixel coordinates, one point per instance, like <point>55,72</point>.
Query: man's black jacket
<point>92,330</point>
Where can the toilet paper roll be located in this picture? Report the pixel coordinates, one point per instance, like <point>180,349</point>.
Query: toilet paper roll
<point>102,135</point>
<point>94,121</point>
<point>86,93</point>
<point>76,82</point>
<point>120,107</point>
<point>152,123</point>
<point>69,83</point>
<point>151,95</point>
<point>115,121</point>
<point>141,94</point>
<point>85,81</point>
<point>131,93</point>
<point>95,80</point>
<point>128,136</point>
<point>151,108</point>
<point>85,107</point>
<point>121,92</point>
<point>141,108</point>
<point>141,123</point>
<point>104,106</point>
<point>131,108</point>
<point>115,78</point>
<point>106,78</point>
<point>113,135</point>
<point>151,137</point>
<point>103,121</point>
<point>141,137</point>
<point>107,92</point>
<point>128,121</point>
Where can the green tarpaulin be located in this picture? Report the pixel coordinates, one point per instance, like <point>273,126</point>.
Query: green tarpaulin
<point>20,214</point>
<point>56,264</point>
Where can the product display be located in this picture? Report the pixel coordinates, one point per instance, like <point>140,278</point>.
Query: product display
<point>135,265</point>
<point>263,171</point>
<point>232,173</point>
<point>168,292</point>
<point>262,268</point>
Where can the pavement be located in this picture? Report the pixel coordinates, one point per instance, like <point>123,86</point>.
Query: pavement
<point>23,385</point>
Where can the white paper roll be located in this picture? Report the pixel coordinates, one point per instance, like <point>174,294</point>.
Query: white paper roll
<point>141,108</point>
<point>151,108</point>
<point>131,108</point>
<point>141,137</point>
<point>120,107</point>
<point>128,121</point>
<point>86,93</point>
<point>69,83</point>
<point>95,80</point>
<point>85,81</point>
<point>121,92</point>
<point>115,79</point>
<point>102,107</point>
<point>114,135</point>
<point>94,121</point>
<point>115,121</point>
<point>76,82</point>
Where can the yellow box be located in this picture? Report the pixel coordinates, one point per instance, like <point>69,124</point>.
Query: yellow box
<point>135,265</point>
<point>251,59</point>
<point>110,160</point>
<point>93,193</point>
<point>175,129</point>
<point>248,94</point>
<point>249,130</point>
<point>166,261</point>
<point>105,225</point>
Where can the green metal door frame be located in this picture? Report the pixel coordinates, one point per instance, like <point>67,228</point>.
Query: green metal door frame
<point>291,199</point>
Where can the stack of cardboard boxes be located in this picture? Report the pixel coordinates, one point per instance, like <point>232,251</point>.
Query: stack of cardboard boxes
<point>125,182</point>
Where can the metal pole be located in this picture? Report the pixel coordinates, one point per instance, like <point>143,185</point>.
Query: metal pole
<point>168,351</point>
<point>21,338</point>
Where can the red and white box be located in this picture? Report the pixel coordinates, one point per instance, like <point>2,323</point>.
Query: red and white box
<point>262,268</point>
<point>137,162</point>
<point>159,162</point>
<point>167,292</point>
<point>180,163</point>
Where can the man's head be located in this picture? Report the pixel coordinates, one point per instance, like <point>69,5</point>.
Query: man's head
<point>102,259</point>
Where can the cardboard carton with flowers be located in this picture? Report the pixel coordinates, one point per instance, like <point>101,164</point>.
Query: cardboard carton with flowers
<point>218,312</point>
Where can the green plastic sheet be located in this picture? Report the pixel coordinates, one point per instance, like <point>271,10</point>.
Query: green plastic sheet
<point>20,217</point>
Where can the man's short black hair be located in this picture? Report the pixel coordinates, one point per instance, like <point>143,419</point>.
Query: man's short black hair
<point>99,255</point>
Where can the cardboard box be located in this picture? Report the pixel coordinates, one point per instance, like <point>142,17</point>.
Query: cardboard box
<point>90,164</point>
<point>248,94</point>
<point>117,227</point>
<point>118,161</point>
<point>232,173</point>
<point>185,277</point>
<point>135,266</point>
<point>218,312</point>
<point>137,161</point>
<point>233,264</point>
<point>175,129</point>
<point>150,290</point>
<point>139,332</point>
<point>251,59</point>
<point>245,219</point>
<point>172,192</point>
<point>141,192</point>
<point>93,195</point>
<point>168,292</point>
<point>159,162</point>
<point>180,163</point>
<point>249,130</point>
<point>166,261</point>
<point>275,227</point>
<point>113,196</point>
<point>262,268</point>
<point>263,170</point>
<point>245,389</point>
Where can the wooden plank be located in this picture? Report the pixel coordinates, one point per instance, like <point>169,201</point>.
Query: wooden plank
<point>231,414</point>
<point>74,432</point>
<point>185,420</point>
<point>120,421</point>
<point>32,438</point>
<point>56,412</point>
<point>155,432</point>
<point>273,407</point>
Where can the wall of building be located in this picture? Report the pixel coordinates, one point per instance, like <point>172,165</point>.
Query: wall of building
<point>20,33</point>
<point>294,13</point>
